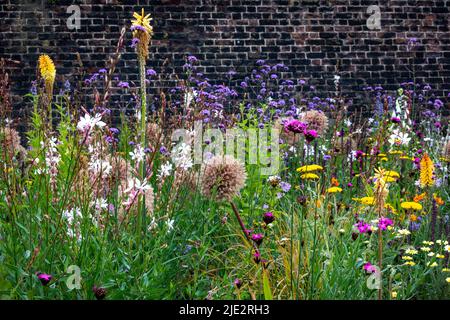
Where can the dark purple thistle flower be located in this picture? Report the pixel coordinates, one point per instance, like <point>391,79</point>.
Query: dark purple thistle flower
<point>395,120</point>
<point>238,283</point>
<point>257,257</point>
<point>100,293</point>
<point>258,238</point>
<point>44,278</point>
<point>268,217</point>
<point>295,126</point>
<point>310,135</point>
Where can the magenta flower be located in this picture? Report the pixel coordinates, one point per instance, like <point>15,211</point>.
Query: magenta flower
<point>384,223</point>
<point>295,126</point>
<point>257,257</point>
<point>268,217</point>
<point>369,268</point>
<point>310,135</point>
<point>395,120</point>
<point>257,238</point>
<point>44,278</point>
<point>238,283</point>
<point>363,227</point>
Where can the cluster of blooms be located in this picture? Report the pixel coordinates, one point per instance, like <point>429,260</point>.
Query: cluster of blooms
<point>52,159</point>
<point>73,218</point>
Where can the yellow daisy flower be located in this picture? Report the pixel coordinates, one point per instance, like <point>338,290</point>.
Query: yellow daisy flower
<point>334,190</point>
<point>309,176</point>
<point>409,205</point>
<point>309,168</point>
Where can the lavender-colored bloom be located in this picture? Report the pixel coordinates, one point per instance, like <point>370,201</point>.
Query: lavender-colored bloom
<point>124,84</point>
<point>285,186</point>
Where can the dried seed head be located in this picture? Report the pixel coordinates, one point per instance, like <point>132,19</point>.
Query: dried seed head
<point>222,178</point>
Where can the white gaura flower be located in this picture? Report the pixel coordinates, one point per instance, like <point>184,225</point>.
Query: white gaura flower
<point>136,184</point>
<point>138,154</point>
<point>348,123</point>
<point>165,170</point>
<point>399,138</point>
<point>170,223</point>
<point>100,204</point>
<point>102,167</point>
<point>71,215</point>
<point>87,122</point>
<point>182,156</point>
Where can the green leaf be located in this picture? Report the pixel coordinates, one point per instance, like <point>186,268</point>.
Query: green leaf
<point>266,284</point>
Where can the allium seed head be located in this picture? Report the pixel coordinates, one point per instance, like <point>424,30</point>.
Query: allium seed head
<point>222,178</point>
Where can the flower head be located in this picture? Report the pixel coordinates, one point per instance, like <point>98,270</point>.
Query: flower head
<point>317,121</point>
<point>268,217</point>
<point>309,168</point>
<point>48,71</point>
<point>409,205</point>
<point>223,174</point>
<point>142,32</point>
<point>44,278</point>
<point>426,171</point>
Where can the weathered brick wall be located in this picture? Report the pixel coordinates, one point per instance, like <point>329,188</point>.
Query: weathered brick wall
<point>314,38</point>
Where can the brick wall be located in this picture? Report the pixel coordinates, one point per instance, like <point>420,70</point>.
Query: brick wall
<point>314,38</point>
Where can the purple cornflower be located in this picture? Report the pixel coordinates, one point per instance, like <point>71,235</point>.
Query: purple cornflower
<point>395,120</point>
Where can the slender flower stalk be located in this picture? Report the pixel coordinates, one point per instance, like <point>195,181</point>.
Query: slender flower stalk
<point>48,73</point>
<point>142,32</point>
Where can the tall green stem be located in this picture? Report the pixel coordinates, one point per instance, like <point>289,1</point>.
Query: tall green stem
<point>142,133</point>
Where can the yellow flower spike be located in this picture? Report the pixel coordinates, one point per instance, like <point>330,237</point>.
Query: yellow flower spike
<point>48,72</point>
<point>426,171</point>
<point>143,32</point>
<point>47,68</point>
